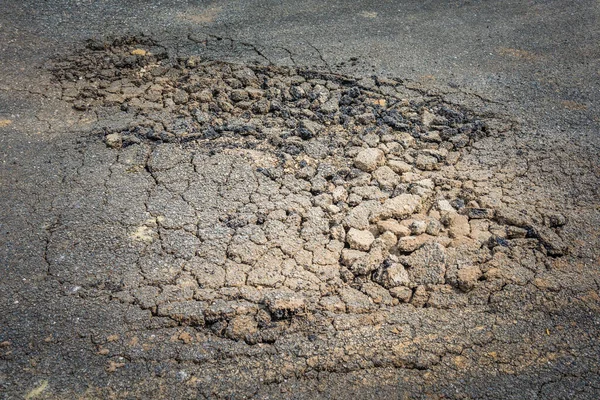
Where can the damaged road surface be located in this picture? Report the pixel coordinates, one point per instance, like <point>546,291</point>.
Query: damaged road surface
<point>237,231</point>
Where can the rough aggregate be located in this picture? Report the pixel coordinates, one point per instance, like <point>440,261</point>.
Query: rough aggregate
<point>271,193</point>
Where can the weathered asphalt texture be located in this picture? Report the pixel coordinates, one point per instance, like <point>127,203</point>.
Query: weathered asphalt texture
<point>69,204</point>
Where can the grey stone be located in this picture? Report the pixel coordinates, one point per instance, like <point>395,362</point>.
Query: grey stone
<point>427,265</point>
<point>390,276</point>
<point>359,240</point>
<point>369,159</point>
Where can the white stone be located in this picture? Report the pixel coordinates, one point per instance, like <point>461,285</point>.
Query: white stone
<point>386,176</point>
<point>392,276</point>
<point>359,240</point>
<point>339,194</point>
<point>444,206</point>
<point>399,167</point>
<point>369,159</point>
<point>393,226</point>
<point>398,207</point>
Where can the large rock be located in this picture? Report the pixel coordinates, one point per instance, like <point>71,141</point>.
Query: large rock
<point>330,106</point>
<point>390,276</point>
<point>359,240</point>
<point>369,159</point>
<point>386,176</point>
<point>391,225</point>
<point>349,256</point>
<point>399,166</point>
<point>369,262</point>
<point>397,207</point>
<point>358,217</point>
<point>458,225</point>
<point>550,240</point>
<point>426,266</point>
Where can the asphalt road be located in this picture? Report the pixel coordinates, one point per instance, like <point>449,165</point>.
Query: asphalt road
<point>539,57</point>
<point>537,62</point>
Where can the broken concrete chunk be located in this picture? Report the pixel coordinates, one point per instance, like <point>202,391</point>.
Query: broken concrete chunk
<point>284,304</point>
<point>180,96</point>
<point>554,219</point>
<point>393,226</point>
<point>510,216</point>
<point>377,294</point>
<point>445,206</point>
<point>359,240</point>
<point>356,302</point>
<point>114,140</point>
<point>427,265</point>
<point>369,262</point>
<point>409,244</point>
<point>433,227</point>
<point>402,293</point>
<point>399,167</point>
<point>330,106</point>
<point>417,227</point>
<point>358,217</point>
<point>388,239</point>
<point>333,304</point>
<point>386,177</point>
<point>468,276</point>
<point>420,296</point>
<point>427,118</point>
<point>309,129</point>
<point>369,159</point>
<point>426,162</point>
<point>339,194</point>
<point>397,207</point>
<point>514,232</point>
<point>392,275</point>
<point>405,139</point>
<point>264,276</point>
<point>458,225</point>
<point>550,240</point>
<point>219,310</point>
<point>349,256</point>
<point>239,95</point>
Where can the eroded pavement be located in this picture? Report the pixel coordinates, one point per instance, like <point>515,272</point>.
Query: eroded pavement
<point>210,229</point>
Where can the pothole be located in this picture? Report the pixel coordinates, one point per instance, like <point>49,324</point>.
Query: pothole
<point>281,192</point>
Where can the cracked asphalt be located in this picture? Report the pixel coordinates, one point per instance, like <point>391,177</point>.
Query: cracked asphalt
<point>332,200</point>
